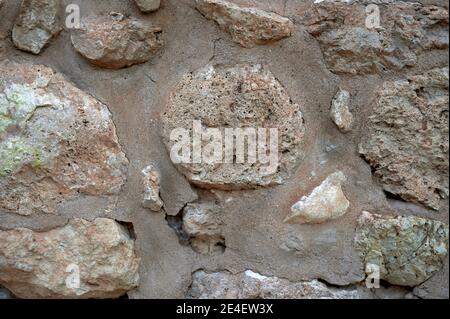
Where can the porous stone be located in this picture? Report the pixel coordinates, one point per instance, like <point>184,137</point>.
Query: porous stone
<point>326,202</point>
<point>56,142</point>
<point>151,182</point>
<point>406,141</point>
<point>114,41</point>
<point>349,45</point>
<point>243,96</point>
<point>38,22</point>
<point>407,250</point>
<point>47,264</point>
<point>148,5</point>
<point>202,223</point>
<point>251,285</point>
<point>340,113</point>
<point>247,26</point>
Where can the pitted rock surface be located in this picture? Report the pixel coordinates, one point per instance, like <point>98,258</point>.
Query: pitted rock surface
<point>56,142</point>
<point>82,259</point>
<point>406,141</point>
<point>243,96</point>
<point>114,41</point>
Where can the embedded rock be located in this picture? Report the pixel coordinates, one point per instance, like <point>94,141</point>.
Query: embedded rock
<point>406,141</point>
<point>350,45</point>
<point>406,250</point>
<point>38,22</point>
<point>148,5</point>
<point>202,223</point>
<point>245,98</point>
<point>151,182</point>
<point>247,26</point>
<point>251,285</point>
<point>340,113</point>
<point>115,42</point>
<point>82,259</point>
<point>56,142</point>
<point>326,202</point>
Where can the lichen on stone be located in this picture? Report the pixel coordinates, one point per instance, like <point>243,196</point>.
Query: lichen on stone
<point>407,250</point>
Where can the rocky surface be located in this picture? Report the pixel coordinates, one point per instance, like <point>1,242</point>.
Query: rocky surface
<point>115,41</point>
<point>38,22</point>
<point>406,141</point>
<point>407,250</point>
<point>406,30</point>
<point>251,285</point>
<point>148,5</point>
<point>244,96</point>
<point>202,223</point>
<point>56,142</point>
<point>340,113</point>
<point>326,202</point>
<point>40,264</point>
<point>246,26</point>
<point>151,181</point>
<point>303,71</point>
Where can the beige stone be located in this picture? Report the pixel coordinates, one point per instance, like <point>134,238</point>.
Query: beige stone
<point>38,22</point>
<point>247,26</point>
<point>202,223</point>
<point>114,41</point>
<point>340,113</point>
<point>47,264</point>
<point>242,96</point>
<point>148,5</point>
<point>406,139</point>
<point>151,183</point>
<point>56,142</point>
<point>326,202</point>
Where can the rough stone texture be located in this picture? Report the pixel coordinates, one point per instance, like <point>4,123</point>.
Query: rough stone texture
<point>148,5</point>
<point>340,113</point>
<point>56,142</point>
<point>235,97</point>
<point>406,30</point>
<point>406,141</point>
<point>38,22</point>
<point>114,41</point>
<point>251,285</point>
<point>247,26</point>
<point>35,264</point>
<point>202,223</point>
<point>326,202</point>
<point>252,220</point>
<point>151,182</point>
<point>408,250</point>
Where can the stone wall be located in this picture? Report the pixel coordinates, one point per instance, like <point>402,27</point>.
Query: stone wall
<point>93,203</point>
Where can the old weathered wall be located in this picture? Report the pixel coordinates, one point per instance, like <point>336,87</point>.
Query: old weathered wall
<point>86,179</point>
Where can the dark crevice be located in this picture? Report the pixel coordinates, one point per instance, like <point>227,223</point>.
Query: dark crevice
<point>176,223</point>
<point>129,228</point>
